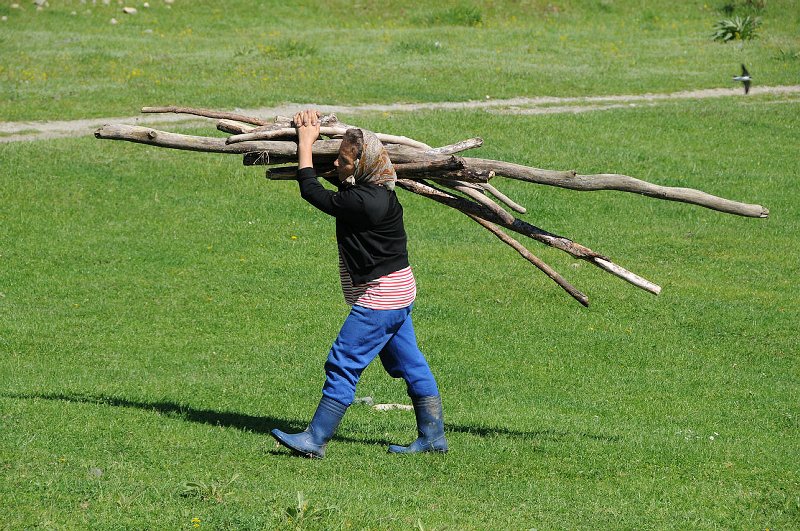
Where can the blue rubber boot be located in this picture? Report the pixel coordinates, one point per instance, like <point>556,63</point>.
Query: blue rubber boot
<point>430,426</point>
<point>312,441</point>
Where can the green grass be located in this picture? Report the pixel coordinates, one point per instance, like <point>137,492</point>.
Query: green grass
<point>248,54</point>
<point>157,319</point>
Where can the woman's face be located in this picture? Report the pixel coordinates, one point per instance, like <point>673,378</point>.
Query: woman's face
<point>345,163</point>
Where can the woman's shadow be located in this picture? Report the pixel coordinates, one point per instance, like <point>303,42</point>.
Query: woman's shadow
<point>263,424</point>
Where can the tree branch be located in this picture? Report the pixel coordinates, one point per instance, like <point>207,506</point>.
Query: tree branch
<point>575,249</point>
<point>208,113</point>
<point>458,147</point>
<point>546,269</point>
<point>623,183</point>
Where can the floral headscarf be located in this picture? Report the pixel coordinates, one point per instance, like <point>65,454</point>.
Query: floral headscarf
<point>373,166</point>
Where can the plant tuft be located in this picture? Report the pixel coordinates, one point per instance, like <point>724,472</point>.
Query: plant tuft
<point>213,491</point>
<point>289,49</point>
<point>787,55</point>
<point>737,28</point>
<point>420,47</point>
<point>303,511</point>
<point>461,15</point>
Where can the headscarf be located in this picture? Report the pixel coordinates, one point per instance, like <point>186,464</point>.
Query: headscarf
<point>373,166</point>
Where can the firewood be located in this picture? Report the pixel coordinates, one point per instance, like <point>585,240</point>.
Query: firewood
<point>623,183</point>
<point>503,198</point>
<point>233,127</point>
<point>284,133</point>
<point>480,197</point>
<point>451,169</point>
<point>529,256</point>
<point>265,142</point>
<point>290,132</point>
<point>260,151</point>
<point>559,242</point>
<point>458,147</point>
<point>207,113</point>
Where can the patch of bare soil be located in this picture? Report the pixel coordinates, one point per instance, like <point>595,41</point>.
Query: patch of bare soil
<point>29,131</point>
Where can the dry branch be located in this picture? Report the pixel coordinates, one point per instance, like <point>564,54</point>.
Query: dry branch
<point>272,152</point>
<point>282,133</point>
<point>262,152</point>
<point>529,256</point>
<point>458,147</point>
<point>290,132</point>
<point>564,179</point>
<point>207,113</point>
<point>233,127</point>
<point>463,175</point>
<point>451,169</point>
<point>480,198</point>
<point>623,183</point>
<point>503,198</point>
<point>559,242</point>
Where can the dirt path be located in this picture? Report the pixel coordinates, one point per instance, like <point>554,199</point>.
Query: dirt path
<point>28,131</point>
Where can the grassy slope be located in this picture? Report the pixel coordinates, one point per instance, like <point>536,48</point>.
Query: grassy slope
<point>59,65</point>
<point>157,319</point>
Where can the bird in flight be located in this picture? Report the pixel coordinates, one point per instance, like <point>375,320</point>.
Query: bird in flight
<point>744,78</point>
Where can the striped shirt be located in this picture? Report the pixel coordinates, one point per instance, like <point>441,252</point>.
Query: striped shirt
<point>389,292</point>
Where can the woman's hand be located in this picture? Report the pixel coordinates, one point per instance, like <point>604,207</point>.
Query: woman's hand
<point>307,124</point>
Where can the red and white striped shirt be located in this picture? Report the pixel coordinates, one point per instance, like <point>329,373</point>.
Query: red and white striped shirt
<point>389,292</point>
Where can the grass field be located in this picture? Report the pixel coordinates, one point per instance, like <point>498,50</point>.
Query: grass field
<point>57,65</point>
<point>161,311</point>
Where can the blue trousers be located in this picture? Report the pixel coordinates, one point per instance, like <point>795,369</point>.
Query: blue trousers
<point>368,333</point>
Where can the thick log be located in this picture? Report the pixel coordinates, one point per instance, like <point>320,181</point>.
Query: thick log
<point>623,183</point>
<point>275,152</point>
<point>269,152</point>
<point>330,126</point>
<point>262,152</point>
<point>207,113</point>
<point>529,256</point>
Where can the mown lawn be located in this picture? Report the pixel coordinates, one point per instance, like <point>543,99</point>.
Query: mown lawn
<point>160,311</point>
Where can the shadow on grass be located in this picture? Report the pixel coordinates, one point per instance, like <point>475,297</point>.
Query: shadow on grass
<point>265,424</point>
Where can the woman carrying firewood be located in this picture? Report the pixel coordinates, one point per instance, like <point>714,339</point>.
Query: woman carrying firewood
<point>378,285</point>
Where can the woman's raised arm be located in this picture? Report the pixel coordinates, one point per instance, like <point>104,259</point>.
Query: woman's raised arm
<point>307,124</point>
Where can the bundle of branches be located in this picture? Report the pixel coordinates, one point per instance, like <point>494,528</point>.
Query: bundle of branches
<point>436,173</point>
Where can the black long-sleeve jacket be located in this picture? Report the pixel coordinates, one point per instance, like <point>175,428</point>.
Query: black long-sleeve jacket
<point>369,225</point>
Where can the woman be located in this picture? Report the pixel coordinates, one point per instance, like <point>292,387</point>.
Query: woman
<point>377,282</point>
